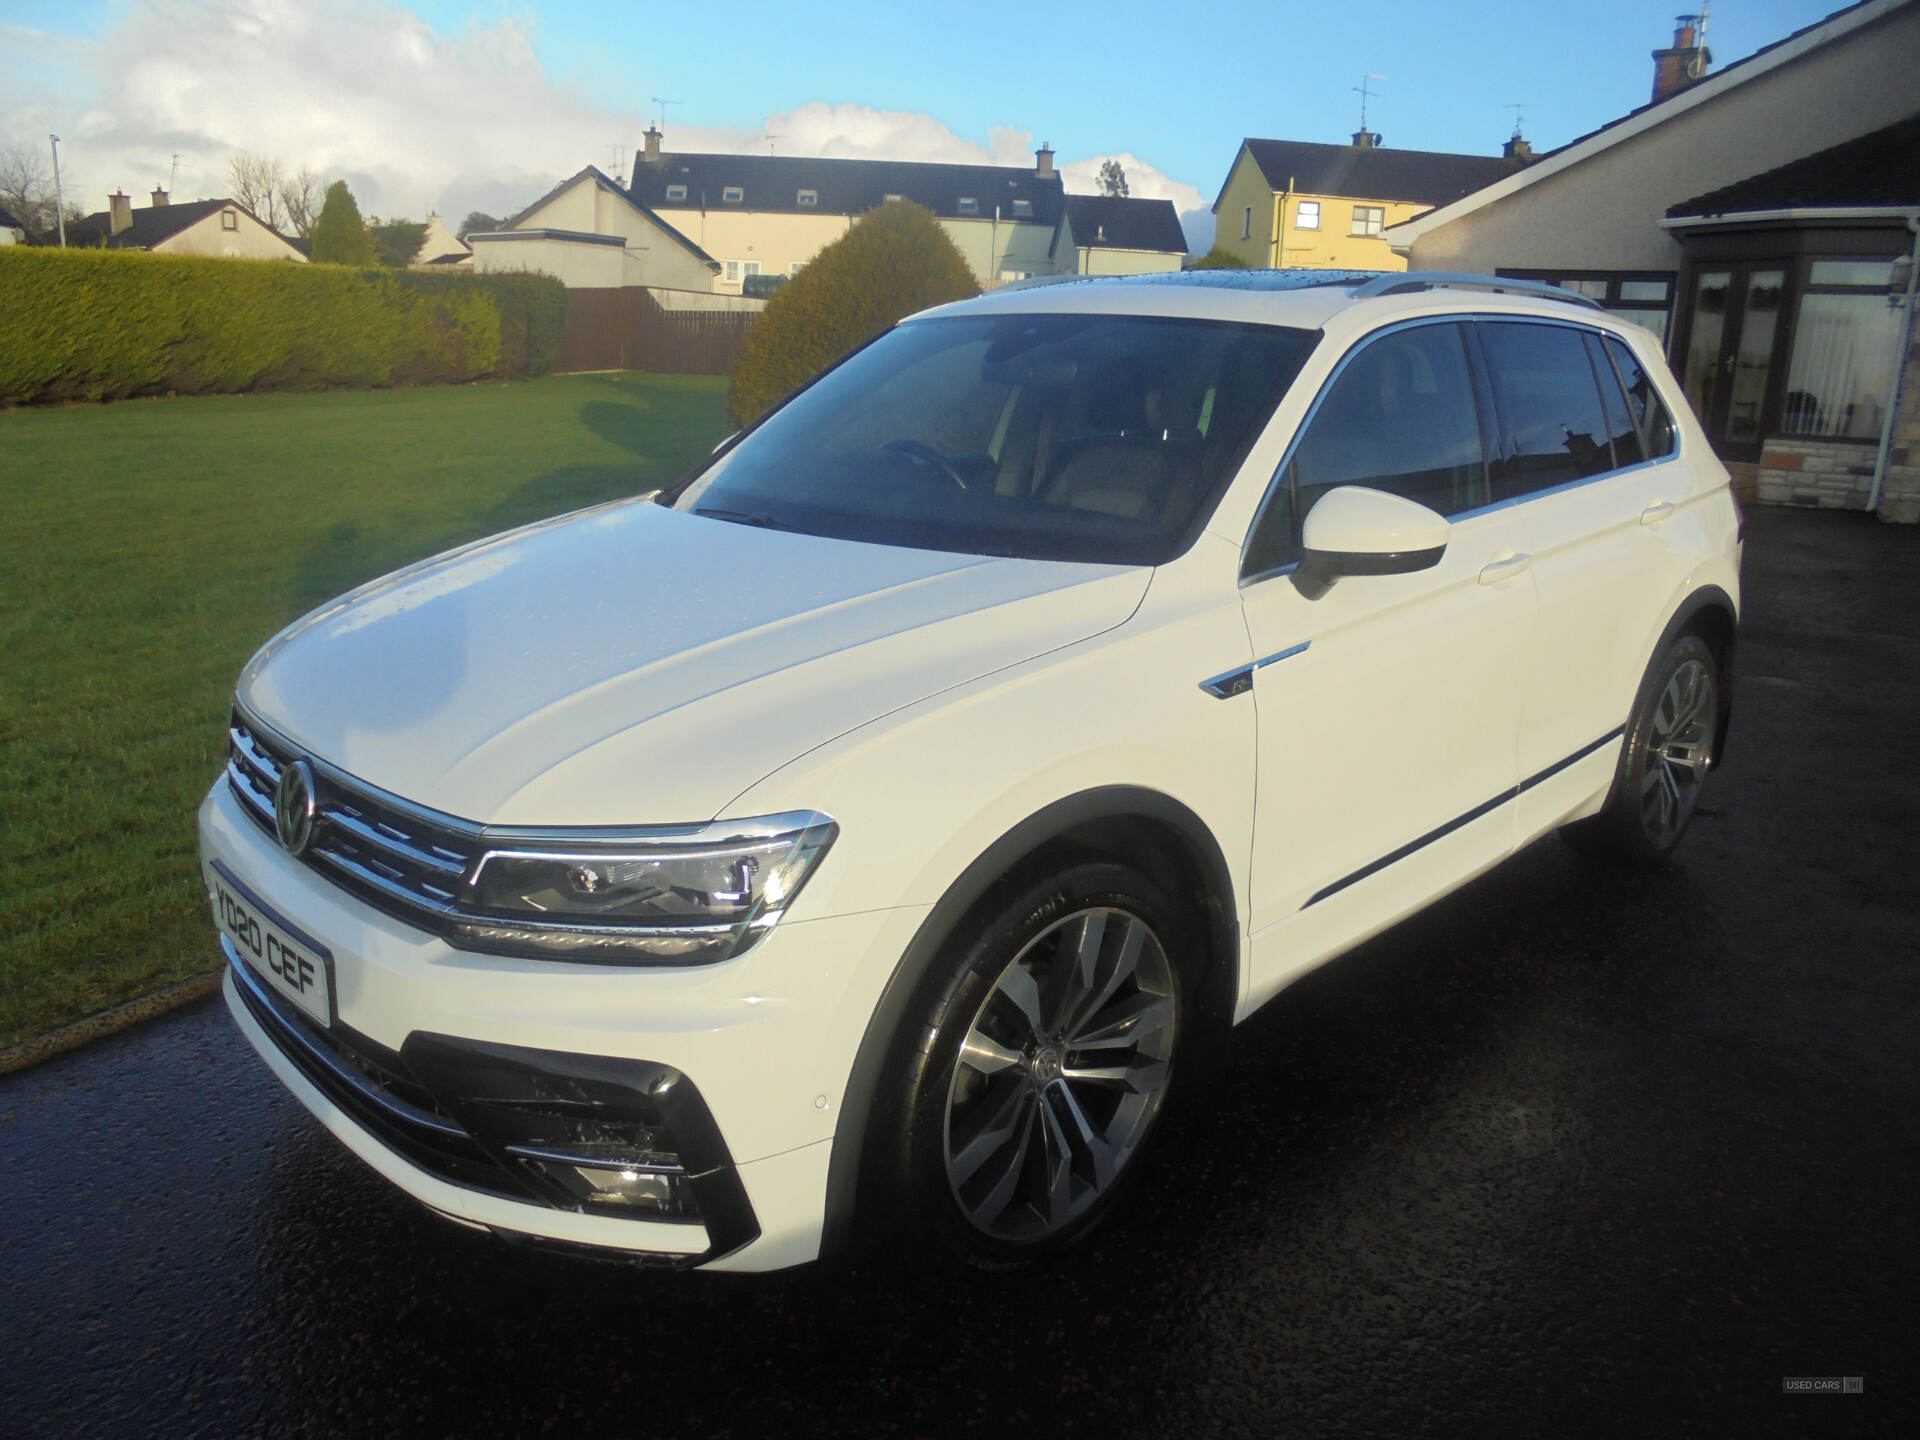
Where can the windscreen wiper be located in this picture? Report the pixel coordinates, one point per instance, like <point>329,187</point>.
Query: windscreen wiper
<point>745,517</point>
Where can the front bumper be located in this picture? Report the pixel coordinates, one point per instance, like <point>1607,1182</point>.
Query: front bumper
<point>769,1038</point>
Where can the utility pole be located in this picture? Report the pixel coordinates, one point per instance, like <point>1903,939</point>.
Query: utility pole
<point>59,201</point>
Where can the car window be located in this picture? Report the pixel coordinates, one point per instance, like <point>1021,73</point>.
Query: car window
<point>1621,427</point>
<point>1656,425</point>
<point>1401,417</point>
<point>1552,427</point>
<point>1056,437</point>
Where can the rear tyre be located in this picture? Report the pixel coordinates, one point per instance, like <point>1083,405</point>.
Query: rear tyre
<point>1664,763</point>
<point>1046,1054</point>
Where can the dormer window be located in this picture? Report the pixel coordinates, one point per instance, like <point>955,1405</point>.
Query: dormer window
<point>969,205</point>
<point>1022,209</point>
<point>809,197</point>
<point>733,195</point>
<point>888,199</point>
<point>676,192</point>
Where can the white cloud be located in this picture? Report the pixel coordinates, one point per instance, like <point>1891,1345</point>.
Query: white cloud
<point>412,118</point>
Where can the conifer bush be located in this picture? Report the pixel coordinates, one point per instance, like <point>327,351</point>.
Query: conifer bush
<point>894,261</point>
<point>107,324</point>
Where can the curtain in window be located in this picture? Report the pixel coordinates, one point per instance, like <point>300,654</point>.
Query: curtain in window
<point>1842,366</point>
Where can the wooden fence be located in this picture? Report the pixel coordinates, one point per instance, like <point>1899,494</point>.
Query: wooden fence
<point>627,329</point>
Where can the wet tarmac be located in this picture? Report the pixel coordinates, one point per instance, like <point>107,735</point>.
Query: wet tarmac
<point>1577,1152</point>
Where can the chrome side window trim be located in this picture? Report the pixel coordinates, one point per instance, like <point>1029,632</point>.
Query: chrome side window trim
<point>1274,484</point>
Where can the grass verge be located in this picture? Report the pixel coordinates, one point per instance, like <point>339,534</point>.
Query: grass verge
<point>153,545</point>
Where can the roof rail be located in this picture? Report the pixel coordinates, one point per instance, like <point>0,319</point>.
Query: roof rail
<point>1411,280</point>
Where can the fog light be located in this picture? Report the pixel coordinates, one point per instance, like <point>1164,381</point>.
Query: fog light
<point>627,1184</point>
<point>631,1189</point>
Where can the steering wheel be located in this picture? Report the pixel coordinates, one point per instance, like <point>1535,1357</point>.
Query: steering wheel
<point>926,455</point>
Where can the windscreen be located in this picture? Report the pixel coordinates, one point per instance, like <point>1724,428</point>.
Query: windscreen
<point>1102,438</point>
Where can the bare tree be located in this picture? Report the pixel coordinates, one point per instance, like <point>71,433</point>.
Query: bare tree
<point>300,197</point>
<point>256,182</point>
<point>26,186</point>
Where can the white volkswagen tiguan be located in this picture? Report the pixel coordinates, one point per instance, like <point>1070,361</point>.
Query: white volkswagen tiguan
<point>886,820</point>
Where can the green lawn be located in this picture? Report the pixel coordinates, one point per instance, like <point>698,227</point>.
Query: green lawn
<point>150,546</point>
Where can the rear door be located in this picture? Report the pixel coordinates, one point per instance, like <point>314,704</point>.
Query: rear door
<point>1605,527</point>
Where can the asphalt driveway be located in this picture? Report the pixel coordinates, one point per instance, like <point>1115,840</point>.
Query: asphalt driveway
<point>1575,1153</point>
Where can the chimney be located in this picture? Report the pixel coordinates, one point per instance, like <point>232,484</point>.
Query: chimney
<point>119,212</point>
<point>652,155</point>
<point>1518,150</point>
<point>1679,66</point>
<point>1366,139</point>
<point>1043,161</point>
<point>159,197</point>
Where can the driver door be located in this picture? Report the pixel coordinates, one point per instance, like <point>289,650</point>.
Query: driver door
<point>1388,709</point>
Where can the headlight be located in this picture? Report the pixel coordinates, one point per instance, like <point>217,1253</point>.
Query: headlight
<point>685,896</point>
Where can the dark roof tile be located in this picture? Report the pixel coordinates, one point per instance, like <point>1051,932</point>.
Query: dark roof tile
<point>1417,177</point>
<point>1113,222</point>
<point>845,187</point>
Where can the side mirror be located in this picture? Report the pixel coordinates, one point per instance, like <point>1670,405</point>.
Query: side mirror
<point>1355,531</point>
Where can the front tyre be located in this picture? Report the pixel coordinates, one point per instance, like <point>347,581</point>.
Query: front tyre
<point>1664,763</point>
<point>1050,1051</point>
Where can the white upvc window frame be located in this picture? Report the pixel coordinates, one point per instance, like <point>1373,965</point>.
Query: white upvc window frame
<point>1306,215</point>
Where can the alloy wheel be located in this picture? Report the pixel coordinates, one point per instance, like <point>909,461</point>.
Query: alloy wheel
<point>1061,1074</point>
<point>1679,751</point>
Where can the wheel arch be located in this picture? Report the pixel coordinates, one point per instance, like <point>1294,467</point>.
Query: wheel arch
<point>1710,613</point>
<point>1147,829</point>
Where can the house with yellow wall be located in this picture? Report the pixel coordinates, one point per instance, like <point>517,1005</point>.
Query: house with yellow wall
<point>1289,203</point>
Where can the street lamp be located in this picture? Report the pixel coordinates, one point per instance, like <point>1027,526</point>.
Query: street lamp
<point>59,202</point>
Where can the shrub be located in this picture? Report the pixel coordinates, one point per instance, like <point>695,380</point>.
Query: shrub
<point>1218,259</point>
<point>895,261</point>
<point>105,324</point>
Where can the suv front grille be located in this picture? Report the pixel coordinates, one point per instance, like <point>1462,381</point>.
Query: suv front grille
<point>397,857</point>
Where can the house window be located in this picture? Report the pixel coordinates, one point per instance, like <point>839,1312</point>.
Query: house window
<point>1646,299</point>
<point>1022,209</point>
<point>1843,352</point>
<point>733,195</point>
<point>733,272</point>
<point>229,220</point>
<point>809,197</point>
<point>1368,220</point>
<point>1246,223</point>
<point>969,205</point>
<point>1307,217</point>
<point>749,267</point>
<point>796,267</point>
<point>676,192</point>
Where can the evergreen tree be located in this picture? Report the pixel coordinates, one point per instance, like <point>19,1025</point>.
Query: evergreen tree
<point>895,261</point>
<point>339,235</point>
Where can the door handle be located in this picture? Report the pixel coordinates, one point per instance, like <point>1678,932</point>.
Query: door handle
<point>1656,512</point>
<point>1504,569</point>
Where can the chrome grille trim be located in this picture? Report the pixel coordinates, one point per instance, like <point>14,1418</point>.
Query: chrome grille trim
<point>399,857</point>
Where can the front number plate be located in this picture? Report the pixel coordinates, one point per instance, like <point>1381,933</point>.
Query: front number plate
<point>296,966</point>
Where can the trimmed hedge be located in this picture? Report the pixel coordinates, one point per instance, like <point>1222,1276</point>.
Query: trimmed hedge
<point>104,325</point>
<point>895,261</point>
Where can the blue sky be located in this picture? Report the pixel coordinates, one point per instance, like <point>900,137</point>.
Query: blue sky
<point>459,106</point>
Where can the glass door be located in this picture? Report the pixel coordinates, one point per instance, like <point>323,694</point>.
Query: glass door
<point>1730,354</point>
